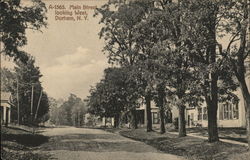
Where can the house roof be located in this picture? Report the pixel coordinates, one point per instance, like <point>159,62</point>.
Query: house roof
<point>5,96</point>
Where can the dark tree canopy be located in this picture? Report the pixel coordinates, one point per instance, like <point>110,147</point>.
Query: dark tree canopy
<point>113,94</point>
<point>21,80</point>
<point>15,19</point>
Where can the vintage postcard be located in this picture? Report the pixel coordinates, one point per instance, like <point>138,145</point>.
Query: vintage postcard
<point>125,79</point>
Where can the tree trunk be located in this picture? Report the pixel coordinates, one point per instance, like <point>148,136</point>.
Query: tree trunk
<point>148,112</point>
<point>76,120</point>
<point>212,99</point>
<point>116,120</point>
<point>212,107</point>
<point>161,96</point>
<point>212,124</point>
<point>7,117</point>
<point>248,125</point>
<point>79,119</point>
<point>181,121</point>
<point>133,120</point>
<point>162,118</point>
<point>105,122</point>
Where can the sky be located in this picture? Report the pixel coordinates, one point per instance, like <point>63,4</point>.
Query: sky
<point>69,53</point>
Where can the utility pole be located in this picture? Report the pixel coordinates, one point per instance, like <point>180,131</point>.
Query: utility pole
<point>18,107</point>
<point>38,104</point>
<point>248,29</point>
<point>31,103</point>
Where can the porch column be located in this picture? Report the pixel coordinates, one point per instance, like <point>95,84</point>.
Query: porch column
<point>104,121</point>
<point>145,115</point>
<point>112,121</point>
<point>4,114</point>
<point>9,114</point>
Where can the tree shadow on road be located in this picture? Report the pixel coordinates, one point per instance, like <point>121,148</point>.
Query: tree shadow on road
<point>29,140</point>
<point>21,144</point>
<point>95,143</point>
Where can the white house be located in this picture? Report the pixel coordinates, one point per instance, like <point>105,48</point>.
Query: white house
<point>5,108</point>
<point>142,115</point>
<point>229,114</point>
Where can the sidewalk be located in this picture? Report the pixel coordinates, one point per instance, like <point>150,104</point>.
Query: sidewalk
<point>221,139</point>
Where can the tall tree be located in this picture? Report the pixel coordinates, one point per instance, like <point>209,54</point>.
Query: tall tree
<point>160,101</point>
<point>210,78</point>
<point>54,110</point>
<point>15,18</point>
<point>168,51</point>
<point>173,27</point>
<point>235,24</point>
<point>71,112</point>
<point>200,24</point>
<point>25,81</point>
<point>116,93</point>
<point>120,19</point>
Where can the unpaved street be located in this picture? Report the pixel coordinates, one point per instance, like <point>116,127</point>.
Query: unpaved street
<point>71,143</point>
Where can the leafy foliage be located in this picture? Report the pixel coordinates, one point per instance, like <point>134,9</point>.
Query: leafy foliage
<point>174,47</point>
<point>15,18</point>
<point>70,112</point>
<point>113,94</point>
<point>21,80</point>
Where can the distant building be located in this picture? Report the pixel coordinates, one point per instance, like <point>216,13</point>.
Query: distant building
<point>5,108</point>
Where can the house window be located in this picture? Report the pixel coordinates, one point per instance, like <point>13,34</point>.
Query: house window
<point>235,111</point>
<point>221,110</point>
<point>205,113</point>
<point>229,111</point>
<point>199,113</point>
<point>230,107</point>
<point>1,113</point>
<point>155,118</point>
<point>226,111</point>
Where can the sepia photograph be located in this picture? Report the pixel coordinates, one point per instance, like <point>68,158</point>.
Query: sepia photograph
<point>125,79</point>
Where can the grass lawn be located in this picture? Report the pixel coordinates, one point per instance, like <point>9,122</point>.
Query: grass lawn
<point>19,144</point>
<point>237,134</point>
<point>189,147</point>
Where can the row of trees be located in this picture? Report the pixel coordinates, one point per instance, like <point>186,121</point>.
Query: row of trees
<point>70,112</point>
<point>115,94</point>
<point>29,99</point>
<point>31,102</point>
<point>183,52</point>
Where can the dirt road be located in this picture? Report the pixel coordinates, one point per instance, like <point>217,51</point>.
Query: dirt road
<point>71,143</point>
